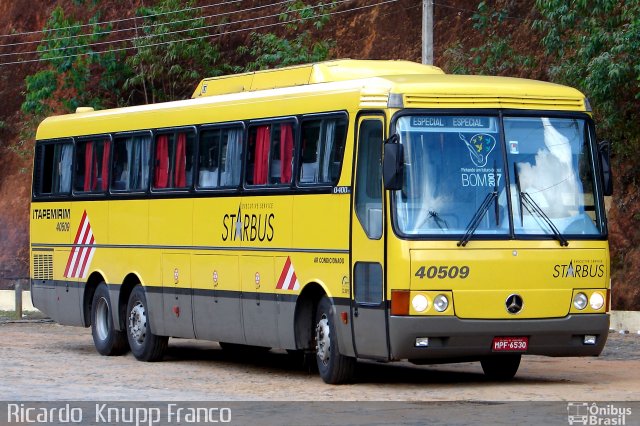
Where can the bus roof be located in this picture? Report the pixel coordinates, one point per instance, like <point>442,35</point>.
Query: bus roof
<point>322,72</point>
<point>328,86</point>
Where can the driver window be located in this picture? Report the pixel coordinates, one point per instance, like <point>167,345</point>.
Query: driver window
<point>368,193</point>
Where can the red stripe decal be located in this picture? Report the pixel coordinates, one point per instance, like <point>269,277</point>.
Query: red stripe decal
<point>283,275</point>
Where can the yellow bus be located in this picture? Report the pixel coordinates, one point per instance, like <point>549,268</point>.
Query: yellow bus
<point>345,210</point>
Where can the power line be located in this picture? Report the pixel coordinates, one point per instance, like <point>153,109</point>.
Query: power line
<point>121,20</point>
<point>101,43</point>
<point>199,37</point>
<point>149,26</point>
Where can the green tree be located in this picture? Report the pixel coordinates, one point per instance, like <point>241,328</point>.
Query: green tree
<point>496,55</point>
<point>173,52</point>
<point>593,45</point>
<point>295,44</point>
<point>71,65</point>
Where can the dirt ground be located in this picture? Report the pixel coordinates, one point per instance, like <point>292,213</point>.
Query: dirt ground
<point>46,361</point>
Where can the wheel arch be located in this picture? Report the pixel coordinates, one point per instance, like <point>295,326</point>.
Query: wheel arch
<point>129,282</point>
<point>304,316</point>
<point>95,279</point>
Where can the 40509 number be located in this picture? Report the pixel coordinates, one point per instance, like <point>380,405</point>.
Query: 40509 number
<point>442,272</point>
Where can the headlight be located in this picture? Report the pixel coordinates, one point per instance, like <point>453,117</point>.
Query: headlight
<point>580,301</point>
<point>596,301</point>
<point>441,303</point>
<point>420,303</point>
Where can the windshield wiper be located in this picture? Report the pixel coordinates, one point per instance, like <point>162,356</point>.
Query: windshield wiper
<point>528,202</point>
<point>534,208</point>
<point>480,212</point>
<point>477,218</point>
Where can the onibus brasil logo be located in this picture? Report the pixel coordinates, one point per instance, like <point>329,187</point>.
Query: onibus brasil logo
<point>583,413</point>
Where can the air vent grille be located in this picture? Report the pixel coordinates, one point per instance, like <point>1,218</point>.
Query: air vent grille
<point>43,266</point>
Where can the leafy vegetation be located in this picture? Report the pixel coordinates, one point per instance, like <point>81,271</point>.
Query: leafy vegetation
<point>496,55</point>
<point>594,45</point>
<point>295,45</point>
<point>62,85</point>
<point>174,48</point>
<point>174,51</point>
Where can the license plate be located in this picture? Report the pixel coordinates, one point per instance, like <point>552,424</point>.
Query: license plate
<point>510,344</point>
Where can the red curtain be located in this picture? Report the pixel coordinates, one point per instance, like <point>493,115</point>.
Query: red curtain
<point>105,164</point>
<point>88,161</point>
<point>286,152</point>
<point>180,175</point>
<point>161,176</point>
<point>261,164</point>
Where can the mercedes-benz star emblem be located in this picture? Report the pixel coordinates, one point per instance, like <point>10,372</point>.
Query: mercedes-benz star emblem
<point>514,303</point>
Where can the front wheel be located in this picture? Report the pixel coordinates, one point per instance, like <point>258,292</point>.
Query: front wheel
<point>334,368</point>
<point>145,345</point>
<point>501,368</point>
<point>107,340</point>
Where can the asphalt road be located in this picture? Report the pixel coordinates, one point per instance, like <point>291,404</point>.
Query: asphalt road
<point>43,361</point>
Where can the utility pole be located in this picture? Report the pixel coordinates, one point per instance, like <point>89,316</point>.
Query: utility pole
<point>427,32</point>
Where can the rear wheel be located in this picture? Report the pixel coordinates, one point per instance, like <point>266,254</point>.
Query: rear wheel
<point>501,368</point>
<point>107,340</point>
<point>334,368</point>
<point>145,345</point>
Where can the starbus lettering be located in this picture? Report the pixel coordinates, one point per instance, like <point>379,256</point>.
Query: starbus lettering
<point>579,270</point>
<point>248,227</point>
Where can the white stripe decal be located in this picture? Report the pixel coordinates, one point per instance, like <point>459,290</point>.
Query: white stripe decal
<point>80,257</point>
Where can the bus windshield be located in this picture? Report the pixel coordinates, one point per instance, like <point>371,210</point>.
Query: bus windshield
<point>456,179</point>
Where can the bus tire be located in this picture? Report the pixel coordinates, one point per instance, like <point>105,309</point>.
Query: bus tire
<point>334,368</point>
<point>145,345</point>
<point>107,340</point>
<point>501,368</point>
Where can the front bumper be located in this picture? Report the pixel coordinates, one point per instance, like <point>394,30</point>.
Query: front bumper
<point>451,338</point>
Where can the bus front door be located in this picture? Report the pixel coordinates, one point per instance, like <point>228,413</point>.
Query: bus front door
<point>368,307</point>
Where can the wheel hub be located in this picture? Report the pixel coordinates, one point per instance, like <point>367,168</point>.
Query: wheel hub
<point>138,323</point>
<point>102,319</point>
<point>323,339</point>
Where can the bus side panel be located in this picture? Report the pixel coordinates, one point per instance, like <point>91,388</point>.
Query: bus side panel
<point>58,298</point>
<point>286,299</point>
<point>259,308</point>
<point>90,222</point>
<point>53,293</point>
<point>68,295</point>
<point>266,229</point>
<point>217,307</point>
<point>176,295</point>
<point>128,256</point>
<point>321,226</point>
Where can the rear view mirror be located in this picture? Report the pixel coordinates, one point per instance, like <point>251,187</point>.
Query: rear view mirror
<point>604,149</point>
<point>393,164</point>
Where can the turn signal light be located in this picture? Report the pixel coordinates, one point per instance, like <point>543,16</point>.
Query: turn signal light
<point>400,302</point>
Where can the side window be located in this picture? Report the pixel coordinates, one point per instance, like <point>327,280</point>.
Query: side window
<point>220,158</point>
<point>368,192</point>
<point>368,283</point>
<point>53,174</point>
<point>92,165</point>
<point>270,154</point>
<point>131,161</point>
<point>322,150</point>
<point>173,160</point>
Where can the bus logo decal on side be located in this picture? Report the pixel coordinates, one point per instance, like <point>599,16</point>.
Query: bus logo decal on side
<point>288,279</point>
<point>82,251</point>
